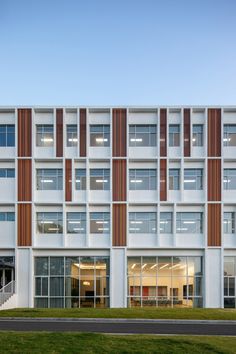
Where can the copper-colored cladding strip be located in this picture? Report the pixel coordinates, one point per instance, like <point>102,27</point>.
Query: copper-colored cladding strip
<point>163,132</point>
<point>214,132</point>
<point>214,180</point>
<point>59,132</point>
<point>24,132</point>
<point>119,180</point>
<point>187,138</point>
<point>82,132</point>
<point>119,224</point>
<point>68,175</point>
<point>214,225</point>
<point>163,181</point>
<point>24,231</point>
<point>24,180</point>
<point>119,128</point>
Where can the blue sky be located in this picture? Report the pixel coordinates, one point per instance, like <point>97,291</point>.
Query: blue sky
<point>117,52</point>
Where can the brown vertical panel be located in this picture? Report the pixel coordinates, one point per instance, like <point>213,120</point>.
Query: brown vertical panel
<point>119,129</point>
<point>214,180</point>
<point>163,183</point>
<point>119,224</point>
<point>187,138</point>
<point>59,132</point>
<point>24,234</point>
<point>214,225</point>
<point>82,132</point>
<point>68,181</point>
<point>119,180</point>
<point>163,132</point>
<point>24,180</point>
<point>214,132</point>
<point>24,132</point>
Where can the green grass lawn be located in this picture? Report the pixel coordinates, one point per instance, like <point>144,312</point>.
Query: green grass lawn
<point>161,313</point>
<point>41,342</point>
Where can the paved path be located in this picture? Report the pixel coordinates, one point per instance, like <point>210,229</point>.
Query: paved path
<point>120,326</point>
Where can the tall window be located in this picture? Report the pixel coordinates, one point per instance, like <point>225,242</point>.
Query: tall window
<point>100,223</point>
<point>229,223</point>
<point>80,179</point>
<point>229,282</point>
<point>71,135</point>
<point>174,135</point>
<point>197,138</point>
<point>7,216</point>
<point>142,179</point>
<point>49,223</point>
<point>99,135</point>
<point>193,178</point>
<point>76,223</point>
<point>189,223</point>
<point>7,135</point>
<point>229,135</point>
<point>166,222</point>
<point>174,178</point>
<point>7,173</point>
<point>230,178</point>
<point>44,135</point>
<point>100,179</point>
<point>142,135</point>
<point>49,179</point>
<point>142,223</point>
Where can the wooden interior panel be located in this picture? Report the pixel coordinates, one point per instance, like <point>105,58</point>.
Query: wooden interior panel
<point>24,132</point>
<point>187,138</point>
<point>119,180</point>
<point>163,181</point>
<point>24,222</point>
<point>59,132</point>
<point>119,131</point>
<point>83,132</point>
<point>214,132</point>
<point>214,180</point>
<point>163,132</point>
<point>214,225</point>
<point>24,180</point>
<point>119,224</point>
<point>68,181</point>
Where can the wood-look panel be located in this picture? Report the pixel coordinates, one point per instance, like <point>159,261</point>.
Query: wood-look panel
<point>119,224</point>
<point>187,138</point>
<point>59,132</point>
<point>24,180</point>
<point>214,132</point>
<point>119,180</point>
<point>24,222</point>
<point>119,129</point>
<point>24,132</point>
<point>163,132</point>
<point>68,181</point>
<point>163,181</point>
<point>214,224</point>
<point>214,180</point>
<point>83,132</point>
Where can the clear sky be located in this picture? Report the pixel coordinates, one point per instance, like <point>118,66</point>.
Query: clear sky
<point>117,52</point>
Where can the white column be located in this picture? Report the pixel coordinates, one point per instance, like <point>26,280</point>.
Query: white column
<point>23,277</point>
<point>118,277</point>
<point>213,277</point>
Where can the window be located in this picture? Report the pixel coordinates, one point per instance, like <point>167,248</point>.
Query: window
<point>229,223</point>
<point>174,178</point>
<point>7,135</point>
<point>99,179</point>
<point>99,135</point>
<point>142,223</point>
<point>44,135</point>
<point>229,178</point>
<point>7,216</point>
<point>140,179</point>
<point>49,223</point>
<point>193,178</point>
<point>229,135</point>
<point>7,173</point>
<point>80,179</point>
<point>142,135</point>
<point>71,135</point>
<point>166,222</point>
<point>197,135</point>
<point>99,223</point>
<point>76,223</point>
<point>229,282</point>
<point>49,179</point>
<point>189,223</point>
<point>174,135</point>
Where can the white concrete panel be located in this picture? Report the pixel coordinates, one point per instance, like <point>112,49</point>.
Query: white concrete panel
<point>99,152</point>
<point>7,190</point>
<point>166,240</point>
<point>23,277</point>
<point>213,277</point>
<point>118,277</point>
<point>190,241</point>
<point>143,195</point>
<point>49,196</point>
<point>99,240</point>
<point>75,241</point>
<point>7,234</point>
<point>8,151</point>
<point>142,152</point>
<point>99,196</point>
<point>229,240</point>
<point>142,240</point>
<point>49,240</point>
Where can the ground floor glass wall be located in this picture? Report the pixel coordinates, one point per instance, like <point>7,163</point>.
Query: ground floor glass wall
<point>165,281</point>
<point>229,282</point>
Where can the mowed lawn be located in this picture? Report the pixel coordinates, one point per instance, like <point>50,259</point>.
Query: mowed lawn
<point>41,342</point>
<point>152,313</point>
